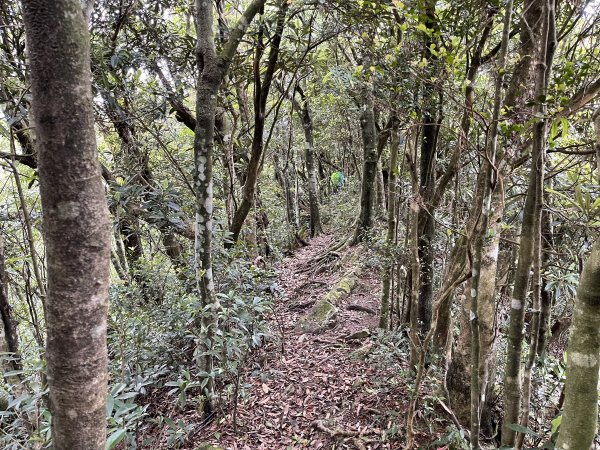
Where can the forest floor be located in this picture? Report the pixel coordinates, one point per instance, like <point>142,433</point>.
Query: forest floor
<point>321,391</point>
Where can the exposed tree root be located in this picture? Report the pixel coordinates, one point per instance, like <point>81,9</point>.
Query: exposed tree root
<point>361,308</point>
<point>332,253</point>
<point>354,437</point>
<point>324,312</point>
<point>299,241</point>
<point>309,283</point>
<point>334,432</point>
<point>303,305</point>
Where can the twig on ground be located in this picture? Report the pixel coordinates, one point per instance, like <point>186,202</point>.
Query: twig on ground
<point>454,418</point>
<point>334,432</point>
<point>354,437</point>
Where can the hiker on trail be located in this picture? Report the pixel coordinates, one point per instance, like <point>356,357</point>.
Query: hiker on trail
<point>337,180</point>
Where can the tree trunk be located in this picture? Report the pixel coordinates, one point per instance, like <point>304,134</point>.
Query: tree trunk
<point>384,313</point>
<point>530,240</point>
<point>75,220</point>
<point>261,93</point>
<point>479,243</point>
<point>9,338</point>
<point>209,80</point>
<point>227,140</point>
<point>369,137</point>
<point>545,294</point>
<point>486,304</point>
<point>580,412</point>
<point>381,200</point>
<point>443,324</point>
<point>213,68</point>
<point>313,184</point>
<point>458,375</point>
<point>287,186</point>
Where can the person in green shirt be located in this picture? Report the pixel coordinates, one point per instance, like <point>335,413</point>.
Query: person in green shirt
<point>337,180</point>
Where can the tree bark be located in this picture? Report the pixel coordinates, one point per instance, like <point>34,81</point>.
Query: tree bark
<point>369,138</point>
<point>427,163</point>
<point>580,412</point>
<point>530,241</point>
<point>313,184</point>
<point>212,70</point>
<point>489,168</point>
<point>261,93</point>
<point>384,313</point>
<point>546,299</point>
<point>75,222</point>
<point>579,423</point>
<point>209,80</point>
<point>9,338</point>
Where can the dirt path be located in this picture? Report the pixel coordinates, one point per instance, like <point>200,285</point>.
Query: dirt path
<point>310,392</point>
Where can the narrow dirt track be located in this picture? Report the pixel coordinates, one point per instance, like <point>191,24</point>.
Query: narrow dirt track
<point>309,392</point>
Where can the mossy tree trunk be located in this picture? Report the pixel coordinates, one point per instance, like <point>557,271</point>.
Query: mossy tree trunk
<point>530,241</point>
<point>483,235</point>
<point>75,222</point>
<point>370,158</point>
<point>580,412</point>
<point>212,70</point>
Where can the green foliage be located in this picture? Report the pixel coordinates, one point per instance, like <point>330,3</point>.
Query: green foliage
<point>453,439</point>
<point>124,416</point>
<point>153,346</point>
<point>25,403</point>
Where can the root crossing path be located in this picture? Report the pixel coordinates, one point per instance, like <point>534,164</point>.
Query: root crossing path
<point>318,391</point>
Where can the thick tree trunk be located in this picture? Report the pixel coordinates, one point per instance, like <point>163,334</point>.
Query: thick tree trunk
<point>458,375</point>
<point>530,30</point>
<point>75,220</point>
<point>580,413</point>
<point>486,304</point>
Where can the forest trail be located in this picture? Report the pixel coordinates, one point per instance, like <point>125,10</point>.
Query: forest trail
<point>311,391</point>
